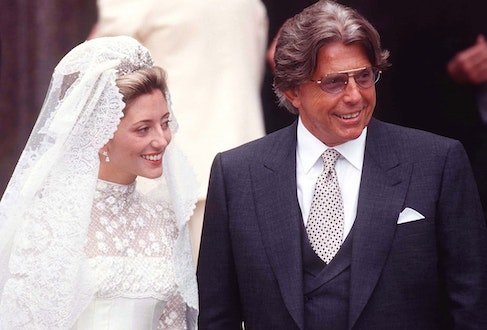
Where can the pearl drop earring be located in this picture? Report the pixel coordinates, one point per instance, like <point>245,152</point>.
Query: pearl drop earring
<point>105,153</point>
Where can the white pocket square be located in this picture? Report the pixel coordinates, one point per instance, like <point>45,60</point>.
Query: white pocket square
<point>408,215</point>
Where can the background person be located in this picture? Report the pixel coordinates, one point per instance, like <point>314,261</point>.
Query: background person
<point>438,52</point>
<point>278,11</point>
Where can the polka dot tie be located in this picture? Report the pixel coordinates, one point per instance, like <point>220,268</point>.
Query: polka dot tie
<point>325,222</point>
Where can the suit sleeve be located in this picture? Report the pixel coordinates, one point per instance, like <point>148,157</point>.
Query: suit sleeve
<point>462,239</point>
<point>217,280</point>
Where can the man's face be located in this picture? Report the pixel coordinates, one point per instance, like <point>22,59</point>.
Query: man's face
<point>335,118</point>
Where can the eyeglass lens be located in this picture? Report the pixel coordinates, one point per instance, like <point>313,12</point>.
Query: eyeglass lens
<point>336,82</point>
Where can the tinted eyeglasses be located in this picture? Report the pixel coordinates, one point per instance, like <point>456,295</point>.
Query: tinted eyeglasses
<point>334,83</point>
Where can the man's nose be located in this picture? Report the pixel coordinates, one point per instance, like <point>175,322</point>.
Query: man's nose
<point>352,89</point>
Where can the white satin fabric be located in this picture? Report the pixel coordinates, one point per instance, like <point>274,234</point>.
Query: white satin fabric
<point>120,314</point>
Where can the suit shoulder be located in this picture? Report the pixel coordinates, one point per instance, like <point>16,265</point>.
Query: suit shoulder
<point>410,136</point>
<point>262,147</point>
<point>412,145</point>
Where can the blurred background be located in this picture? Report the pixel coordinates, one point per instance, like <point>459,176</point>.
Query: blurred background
<point>34,36</point>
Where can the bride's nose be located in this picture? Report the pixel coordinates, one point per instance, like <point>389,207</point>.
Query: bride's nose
<point>161,138</point>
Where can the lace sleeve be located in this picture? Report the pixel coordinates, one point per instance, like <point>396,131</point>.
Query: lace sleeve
<point>174,315</point>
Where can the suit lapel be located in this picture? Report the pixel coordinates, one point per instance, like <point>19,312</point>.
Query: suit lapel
<point>279,217</point>
<point>382,193</point>
<point>383,190</point>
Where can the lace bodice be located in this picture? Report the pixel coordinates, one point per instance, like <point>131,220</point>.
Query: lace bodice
<point>128,224</point>
<point>130,247</point>
<point>65,252</point>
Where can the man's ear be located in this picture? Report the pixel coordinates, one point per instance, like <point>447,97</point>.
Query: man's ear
<point>292,95</point>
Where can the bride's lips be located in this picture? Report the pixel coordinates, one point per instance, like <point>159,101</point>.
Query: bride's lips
<point>153,157</point>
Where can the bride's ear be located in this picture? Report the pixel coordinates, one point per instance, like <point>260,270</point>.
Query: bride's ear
<point>103,152</point>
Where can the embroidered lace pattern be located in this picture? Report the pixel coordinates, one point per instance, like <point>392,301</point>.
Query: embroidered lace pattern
<point>130,248</point>
<point>51,252</point>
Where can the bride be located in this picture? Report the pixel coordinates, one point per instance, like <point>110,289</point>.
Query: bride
<point>82,245</point>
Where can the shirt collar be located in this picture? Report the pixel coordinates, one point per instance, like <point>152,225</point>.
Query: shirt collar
<point>309,148</point>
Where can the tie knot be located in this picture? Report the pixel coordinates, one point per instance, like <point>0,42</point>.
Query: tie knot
<point>330,157</point>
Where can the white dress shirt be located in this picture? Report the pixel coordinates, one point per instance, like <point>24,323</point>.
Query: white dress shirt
<point>348,167</point>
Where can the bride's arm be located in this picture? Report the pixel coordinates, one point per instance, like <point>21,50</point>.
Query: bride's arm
<point>174,314</point>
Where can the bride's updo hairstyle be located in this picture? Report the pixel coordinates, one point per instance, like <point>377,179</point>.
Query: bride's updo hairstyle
<point>140,82</point>
<point>46,208</point>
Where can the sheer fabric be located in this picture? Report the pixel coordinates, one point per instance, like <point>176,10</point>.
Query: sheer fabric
<point>130,248</point>
<point>214,52</point>
<point>52,264</point>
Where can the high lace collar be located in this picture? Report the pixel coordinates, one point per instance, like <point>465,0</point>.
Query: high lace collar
<point>115,189</point>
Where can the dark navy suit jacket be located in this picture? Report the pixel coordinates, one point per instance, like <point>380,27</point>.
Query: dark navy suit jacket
<point>425,274</point>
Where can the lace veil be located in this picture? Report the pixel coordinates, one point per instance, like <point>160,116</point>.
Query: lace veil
<point>45,210</point>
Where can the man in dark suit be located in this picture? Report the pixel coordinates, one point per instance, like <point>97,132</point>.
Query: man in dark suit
<point>438,52</point>
<point>401,204</point>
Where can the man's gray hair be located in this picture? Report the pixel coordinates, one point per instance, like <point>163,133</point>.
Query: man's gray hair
<point>302,36</point>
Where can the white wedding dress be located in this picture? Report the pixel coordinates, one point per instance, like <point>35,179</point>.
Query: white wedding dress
<point>130,253</point>
<point>80,253</point>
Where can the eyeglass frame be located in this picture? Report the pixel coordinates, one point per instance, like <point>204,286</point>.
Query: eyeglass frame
<point>350,73</point>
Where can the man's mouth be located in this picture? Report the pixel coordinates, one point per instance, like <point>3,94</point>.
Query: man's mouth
<point>350,116</point>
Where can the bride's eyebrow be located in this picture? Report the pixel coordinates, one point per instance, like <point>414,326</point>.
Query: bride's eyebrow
<point>147,121</point>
